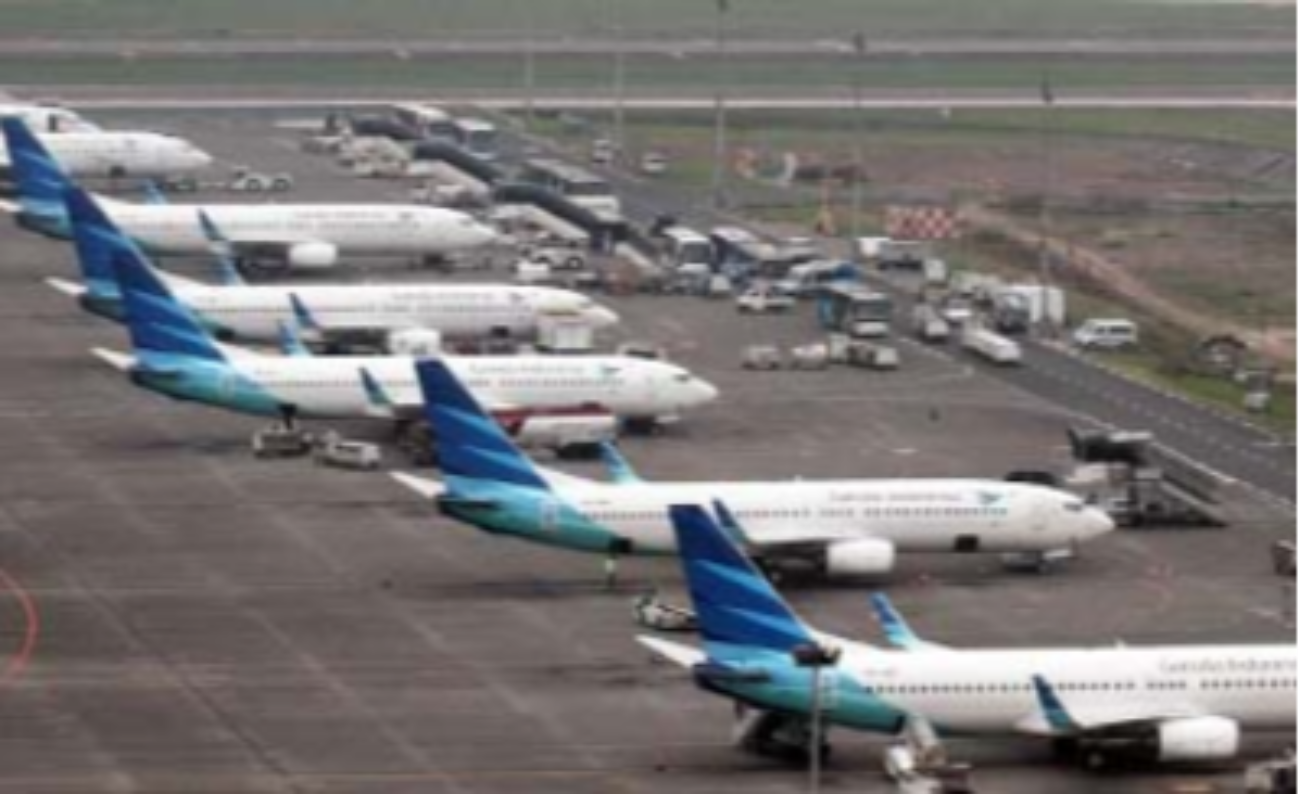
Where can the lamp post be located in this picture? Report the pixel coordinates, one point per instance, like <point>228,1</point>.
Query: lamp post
<point>1048,185</point>
<point>620,76</point>
<point>859,59</point>
<point>530,64</point>
<point>720,108</point>
<point>815,657</point>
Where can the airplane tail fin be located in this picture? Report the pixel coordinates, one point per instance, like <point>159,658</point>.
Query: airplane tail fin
<point>735,604</point>
<point>97,241</point>
<point>39,178</point>
<point>157,322</point>
<point>470,443</point>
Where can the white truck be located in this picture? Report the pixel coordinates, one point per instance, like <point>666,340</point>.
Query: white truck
<point>992,346</point>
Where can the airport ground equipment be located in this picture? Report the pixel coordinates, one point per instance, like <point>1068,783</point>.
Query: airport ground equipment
<point>929,325</point>
<point>991,346</point>
<point>872,355</point>
<point>333,450</point>
<point>1284,558</point>
<point>764,299</point>
<point>281,440</point>
<point>812,357</point>
<point>652,613</point>
<point>1272,777</point>
<point>1142,483</point>
<point>762,357</point>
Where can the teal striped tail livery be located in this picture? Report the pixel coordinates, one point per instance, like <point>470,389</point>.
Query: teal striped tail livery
<point>735,604</point>
<point>157,321</point>
<point>469,441</point>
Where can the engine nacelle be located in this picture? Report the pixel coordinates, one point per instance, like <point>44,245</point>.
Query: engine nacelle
<point>1199,739</point>
<point>557,432</point>
<point>865,557</point>
<point>414,342</point>
<point>313,256</point>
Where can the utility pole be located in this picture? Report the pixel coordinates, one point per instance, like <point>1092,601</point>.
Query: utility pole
<point>620,77</point>
<point>530,64</point>
<point>1045,276</point>
<point>859,167</point>
<point>816,658</point>
<point>720,107</point>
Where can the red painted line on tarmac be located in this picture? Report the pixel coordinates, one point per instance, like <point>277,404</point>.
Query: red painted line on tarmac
<point>31,631</point>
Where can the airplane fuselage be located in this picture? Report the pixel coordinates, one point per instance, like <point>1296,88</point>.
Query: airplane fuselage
<point>105,154</point>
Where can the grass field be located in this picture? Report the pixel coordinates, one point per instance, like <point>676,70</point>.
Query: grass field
<point>1068,73</point>
<point>460,18</point>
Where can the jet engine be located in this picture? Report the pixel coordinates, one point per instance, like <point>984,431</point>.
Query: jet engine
<point>313,256</point>
<point>1198,739</point>
<point>414,342</point>
<point>865,557</point>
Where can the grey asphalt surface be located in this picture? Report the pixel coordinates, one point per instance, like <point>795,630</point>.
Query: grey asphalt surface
<point>206,622</point>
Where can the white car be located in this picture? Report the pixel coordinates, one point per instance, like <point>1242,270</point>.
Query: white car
<point>764,299</point>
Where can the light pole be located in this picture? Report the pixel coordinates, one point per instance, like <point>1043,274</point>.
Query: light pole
<point>720,108</point>
<point>530,64</point>
<point>816,658</point>
<point>1049,178</point>
<point>859,59</point>
<point>620,76</point>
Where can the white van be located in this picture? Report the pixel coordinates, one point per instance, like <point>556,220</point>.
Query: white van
<point>1097,334</point>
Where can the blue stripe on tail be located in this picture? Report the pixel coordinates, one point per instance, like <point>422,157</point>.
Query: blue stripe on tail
<point>470,443</point>
<point>157,321</point>
<point>38,176</point>
<point>735,604</point>
<point>96,239</point>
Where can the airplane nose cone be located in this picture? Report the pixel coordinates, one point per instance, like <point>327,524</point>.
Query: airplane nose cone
<point>600,317</point>
<point>1098,523</point>
<point>705,392</point>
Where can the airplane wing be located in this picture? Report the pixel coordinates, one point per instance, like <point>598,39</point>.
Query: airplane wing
<point>10,207</point>
<point>425,488</point>
<point>1054,717</point>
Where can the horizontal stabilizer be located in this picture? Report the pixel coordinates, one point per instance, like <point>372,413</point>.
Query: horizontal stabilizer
<point>675,652</point>
<point>426,488</point>
<point>69,288</point>
<point>119,361</point>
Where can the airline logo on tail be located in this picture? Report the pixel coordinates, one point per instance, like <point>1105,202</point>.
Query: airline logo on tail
<point>470,443</point>
<point>39,178</point>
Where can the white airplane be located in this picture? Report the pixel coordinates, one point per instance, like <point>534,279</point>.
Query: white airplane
<point>112,153</point>
<point>1158,704</point>
<point>173,354</point>
<point>308,236</point>
<point>46,118</point>
<point>844,527</point>
<point>398,316</point>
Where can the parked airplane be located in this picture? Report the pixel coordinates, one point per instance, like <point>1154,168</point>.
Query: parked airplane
<point>1167,704</point>
<point>330,314</point>
<point>108,153</point>
<point>173,354</point>
<point>845,527</point>
<point>309,236</point>
<point>46,118</point>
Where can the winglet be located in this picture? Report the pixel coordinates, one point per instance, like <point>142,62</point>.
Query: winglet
<point>1057,716</point>
<point>153,194</point>
<point>291,343</point>
<point>302,314</point>
<point>375,394</point>
<point>222,250</point>
<point>729,524</point>
<point>898,633</point>
<point>620,471</point>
